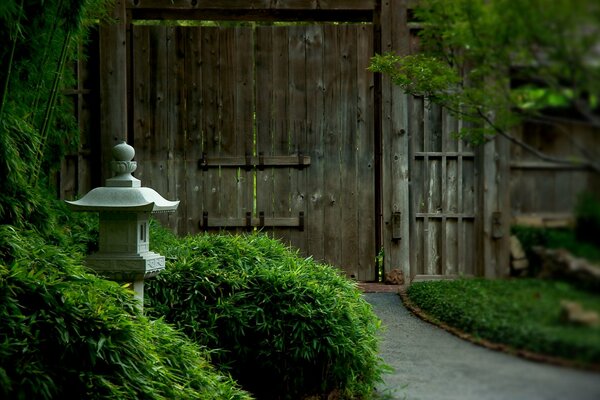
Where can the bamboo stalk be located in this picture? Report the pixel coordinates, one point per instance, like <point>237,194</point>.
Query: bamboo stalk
<point>49,109</point>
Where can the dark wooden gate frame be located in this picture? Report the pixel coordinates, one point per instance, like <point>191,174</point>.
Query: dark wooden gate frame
<point>391,34</point>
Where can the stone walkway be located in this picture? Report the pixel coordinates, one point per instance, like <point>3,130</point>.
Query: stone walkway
<point>432,364</point>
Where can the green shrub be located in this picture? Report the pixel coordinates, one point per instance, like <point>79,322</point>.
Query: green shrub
<point>68,334</point>
<point>587,217</point>
<point>285,327</point>
<point>523,313</point>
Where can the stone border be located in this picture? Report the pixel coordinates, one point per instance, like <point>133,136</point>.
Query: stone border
<point>526,354</point>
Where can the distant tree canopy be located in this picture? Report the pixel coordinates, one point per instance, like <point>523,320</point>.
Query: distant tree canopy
<point>498,62</point>
<point>37,127</point>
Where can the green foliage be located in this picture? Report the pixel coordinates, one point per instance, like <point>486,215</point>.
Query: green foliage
<point>473,50</point>
<point>285,327</point>
<point>587,225</point>
<point>37,40</point>
<point>68,334</point>
<point>523,313</point>
<point>418,74</point>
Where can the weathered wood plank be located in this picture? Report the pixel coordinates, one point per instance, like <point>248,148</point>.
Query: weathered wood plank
<point>194,116</point>
<point>228,178</point>
<point>395,193</point>
<point>452,188</point>
<point>244,114</point>
<point>264,117</point>
<point>365,153</point>
<point>314,135</point>
<point>281,135</point>
<point>348,159</point>
<point>210,49</point>
<point>151,136</point>
<point>418,251</point>
<point>449,267</point>
<point>434,112</point>
<point>417,198</point>
<point>176,127</point>
<point>296,128</point>
<point>331,179</point>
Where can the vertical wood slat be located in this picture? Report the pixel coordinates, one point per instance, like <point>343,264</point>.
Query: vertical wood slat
<point>279,127</point>
<point>150,124</point>
<point>194,116</point>
<point>176,153</point>
<point>365,158</point>
<point>228,183</point>
<point>331,164</point>
<point>296,125</point>
<point>264,131</point>
<point>417,200</point>
<point>315,126</point>
<point>210,50</point>
<point>235,119</point>
<point>244,114</point>
<point>395,173</point>
<point>347,118</point>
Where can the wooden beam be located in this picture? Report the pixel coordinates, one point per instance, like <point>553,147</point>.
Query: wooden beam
<point>253,10</point>
<point>544,220</point>
<point>252,222</point>
<point>298,161</point>
<point>252,4</point>
<point>251,15</point>
<point>546,166</point>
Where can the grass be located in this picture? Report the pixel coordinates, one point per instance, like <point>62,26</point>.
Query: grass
<point>521,313</point>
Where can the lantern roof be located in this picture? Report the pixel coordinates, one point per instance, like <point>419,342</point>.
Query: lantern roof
<point>123,192</point>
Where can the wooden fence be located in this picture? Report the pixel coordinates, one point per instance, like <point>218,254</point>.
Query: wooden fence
<point>545,193</point>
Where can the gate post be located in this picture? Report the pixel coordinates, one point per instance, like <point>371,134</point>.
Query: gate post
<point>113,84</point>
<point>494,215</point>
<point>394,146</point>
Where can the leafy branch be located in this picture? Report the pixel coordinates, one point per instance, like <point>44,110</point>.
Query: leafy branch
<point>473,52</point>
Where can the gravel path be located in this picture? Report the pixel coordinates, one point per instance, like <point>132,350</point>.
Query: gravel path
<point>432,364</point>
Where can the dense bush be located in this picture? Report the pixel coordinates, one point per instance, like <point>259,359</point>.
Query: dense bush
<point>69,334</point>
<point>523,313</point>
<point>285,327</point>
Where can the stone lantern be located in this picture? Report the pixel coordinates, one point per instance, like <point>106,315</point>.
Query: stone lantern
<point>125,207</point>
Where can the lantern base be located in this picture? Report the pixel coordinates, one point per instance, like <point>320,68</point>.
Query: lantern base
<point>125,267</point>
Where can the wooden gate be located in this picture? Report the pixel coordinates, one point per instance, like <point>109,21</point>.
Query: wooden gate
<point>283,129</point>
<point>266,128</point>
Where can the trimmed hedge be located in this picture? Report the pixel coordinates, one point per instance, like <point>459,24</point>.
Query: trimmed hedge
<point>68,334</point>
<point>523,313</point>
<point>285,327</point>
